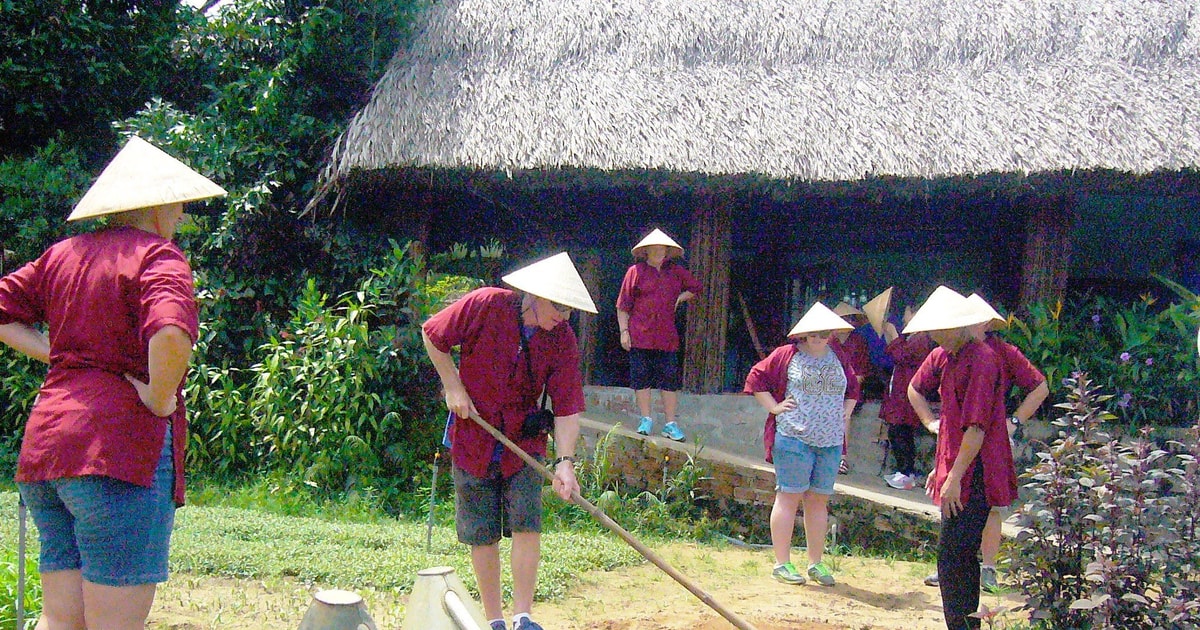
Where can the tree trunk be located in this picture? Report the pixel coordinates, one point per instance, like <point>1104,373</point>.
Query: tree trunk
<point>707,317</point>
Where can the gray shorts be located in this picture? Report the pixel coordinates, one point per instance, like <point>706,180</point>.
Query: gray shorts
<point>487,508</point>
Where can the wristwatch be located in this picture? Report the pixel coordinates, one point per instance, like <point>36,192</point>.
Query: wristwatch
<point>1016,422</point>
<point>564,458</point>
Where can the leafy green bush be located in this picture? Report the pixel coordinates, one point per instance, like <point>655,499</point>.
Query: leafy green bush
<point>8,589</point>
<point>1111,536</point>
<point>1145,353</point>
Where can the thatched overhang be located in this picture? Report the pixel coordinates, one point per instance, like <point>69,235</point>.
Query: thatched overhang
<point>574,91</point>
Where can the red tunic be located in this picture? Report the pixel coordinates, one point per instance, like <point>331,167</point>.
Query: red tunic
<point>103,296</point>
<point>907,353</point>
<point>771,375</point>
<point>853,351</point>
<point>485,325</point>
<point>968,382</point>
<point>1015,369</point>
<point>649,295</point>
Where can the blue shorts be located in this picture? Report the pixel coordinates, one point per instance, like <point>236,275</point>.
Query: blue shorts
<point>800,467</point>
<point>654,369</point>
<point>114,532</point>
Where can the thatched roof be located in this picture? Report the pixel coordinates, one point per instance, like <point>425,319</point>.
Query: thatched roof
<point>810,91</point>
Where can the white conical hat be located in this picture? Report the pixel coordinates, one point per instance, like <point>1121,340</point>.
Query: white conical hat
<point>142,176</point>
<point>986,309</point>
<point>658,237</point>
<point>945,309</point>
<point>555,279</point>
<point>819,318</point>
<point>843,309</point>
<point>876,310</point>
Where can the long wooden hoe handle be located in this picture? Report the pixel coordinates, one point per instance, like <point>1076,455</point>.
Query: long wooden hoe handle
<point>604,519</point>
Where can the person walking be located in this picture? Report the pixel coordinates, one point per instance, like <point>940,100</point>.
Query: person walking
<point>515,345</point>
<point>101,461</point>
<point>974,467</point>
<point>809,394</point>
<point>651,293</point>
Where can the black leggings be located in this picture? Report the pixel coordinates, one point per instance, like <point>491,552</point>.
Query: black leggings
<point>903,438</point>
<point>958,556</point>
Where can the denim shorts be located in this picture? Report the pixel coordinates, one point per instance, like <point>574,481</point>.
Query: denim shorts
<point>489,507</point>
<point>800,467</point>
<point>114,532</point>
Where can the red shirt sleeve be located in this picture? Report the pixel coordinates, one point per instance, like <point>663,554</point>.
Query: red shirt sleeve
<point>853,388</point>
<point>625,297</point>
<point>564,384</point>
<point>457,324</point>
<point>167,293</point>
<point>1018,369</point>
<point>690,283</point>
<point>20,299</point>
<point>929,375</point>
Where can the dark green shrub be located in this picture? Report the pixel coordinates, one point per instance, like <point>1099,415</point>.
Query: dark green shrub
<point>1111,538</point>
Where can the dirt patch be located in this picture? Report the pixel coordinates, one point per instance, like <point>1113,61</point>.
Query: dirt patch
<point>870,594</point>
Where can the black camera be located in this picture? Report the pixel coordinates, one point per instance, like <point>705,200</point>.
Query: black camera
<point>537,423</point>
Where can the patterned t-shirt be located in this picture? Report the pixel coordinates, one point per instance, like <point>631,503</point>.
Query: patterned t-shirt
<point>818,385</point>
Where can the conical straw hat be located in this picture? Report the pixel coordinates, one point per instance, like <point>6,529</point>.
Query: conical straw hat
<point>876,310</point>
<point>819,318</point>
<point>142,176</point>
<point>945,309</point>
<point>843,309</point>
<point>555,279</point>
<point>658,237</point>
<point>986,309</point>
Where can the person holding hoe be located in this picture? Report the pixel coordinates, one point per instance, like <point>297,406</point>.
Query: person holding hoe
<point>516,346</point>
<point>809,394</point>
<point>101,461</point>
<point>651,293</point>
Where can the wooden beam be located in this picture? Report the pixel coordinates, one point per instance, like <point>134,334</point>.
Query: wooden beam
<point>708,314</point>
<point>1046,259</point>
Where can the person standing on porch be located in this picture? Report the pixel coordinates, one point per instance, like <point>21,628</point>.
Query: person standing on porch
<point>809,394</point>
<point>651,293</point>
<point>515,346</point>
<point>974,467</point>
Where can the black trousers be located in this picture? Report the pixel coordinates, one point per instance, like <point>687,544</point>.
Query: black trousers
<point>958,556</point>
<point>903,439</point>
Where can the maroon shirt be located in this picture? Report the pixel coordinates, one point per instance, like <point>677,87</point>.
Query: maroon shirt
<point>969,384</point>
<point>771,375</point>
<point>649,295</point>
<point>907,353</point>
<point>485,325</point>
<point>1015,368</point>
<point>103,296</point>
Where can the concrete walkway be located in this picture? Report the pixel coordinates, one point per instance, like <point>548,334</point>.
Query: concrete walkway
<point>728,428</point>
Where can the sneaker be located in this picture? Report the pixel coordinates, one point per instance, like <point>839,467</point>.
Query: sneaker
<point>499,625</point>
<point>646,425</point>
<point>673,432</point>
<point>988,580</point>
<point>527,624</point>
<point>843,468</point>
<point>821,574</point>
<point>932,579</point>
<point>788,574</point>
<point>895,480</point>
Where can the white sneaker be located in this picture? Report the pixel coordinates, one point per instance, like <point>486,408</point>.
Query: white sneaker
<point>900,481</point>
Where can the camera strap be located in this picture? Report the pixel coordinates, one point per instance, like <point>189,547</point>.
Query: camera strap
<point>525,351</point>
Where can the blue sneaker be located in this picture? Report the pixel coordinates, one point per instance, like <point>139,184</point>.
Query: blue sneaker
<point>499,625</point>
<point>527,624</point>
<point>673,432</point>
<point>646,425</point>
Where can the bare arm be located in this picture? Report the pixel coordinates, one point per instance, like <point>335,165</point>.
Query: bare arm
<point>457,399</point>
<point>847,411</point>
<point>623,324</point>
<point>27,340</point>
<point>566,433</point>
<point>1032,401</point>
<point>767,401</point>
<point>924,411</point>
<point>170,350</point>
<point>684,297</point>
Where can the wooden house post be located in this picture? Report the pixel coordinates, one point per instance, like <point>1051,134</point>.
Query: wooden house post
<point>1046,260</point>
<point>707,316</point>
<point>588,263</point>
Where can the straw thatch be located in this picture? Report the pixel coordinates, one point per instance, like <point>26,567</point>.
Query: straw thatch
<point>807,91</point>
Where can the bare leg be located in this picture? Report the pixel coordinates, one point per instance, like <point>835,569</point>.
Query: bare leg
<point>816,521</point>
<point>526,552</point>
<point>989,548</point>
<point>670,404</point>
<point>117,607</point>
<point>486,562</point>
<point>783,524</point>
<point>643,401</point>
<point>62,601</point>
